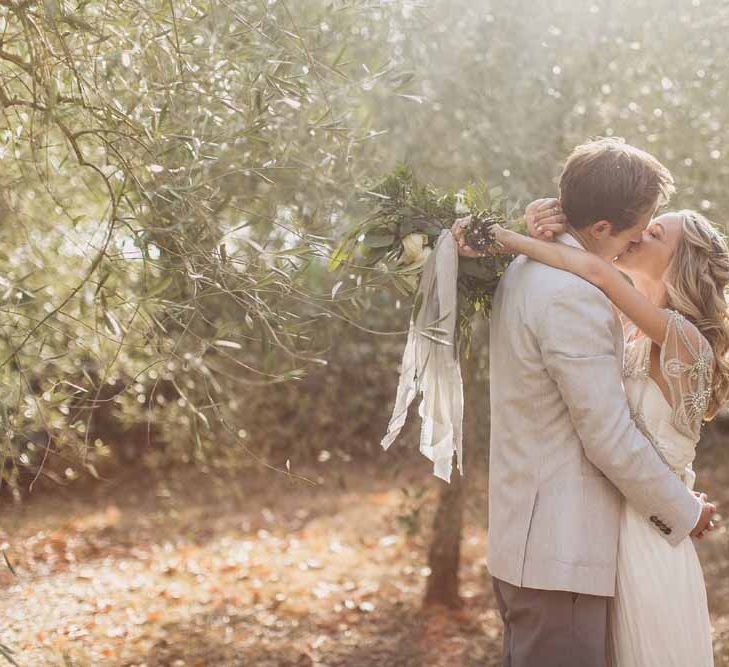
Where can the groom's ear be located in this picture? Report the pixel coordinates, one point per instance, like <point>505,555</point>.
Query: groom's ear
<point>601,229</point>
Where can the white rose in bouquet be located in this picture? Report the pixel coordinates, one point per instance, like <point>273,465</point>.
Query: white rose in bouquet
<point>414,250</point>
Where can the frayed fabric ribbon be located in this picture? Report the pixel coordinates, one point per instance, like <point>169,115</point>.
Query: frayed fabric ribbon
<point>430,364</point>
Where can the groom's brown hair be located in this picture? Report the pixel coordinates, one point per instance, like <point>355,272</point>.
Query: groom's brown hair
<point>608,179</point>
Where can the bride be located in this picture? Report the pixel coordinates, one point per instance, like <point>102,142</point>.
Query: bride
<point>676,374</point>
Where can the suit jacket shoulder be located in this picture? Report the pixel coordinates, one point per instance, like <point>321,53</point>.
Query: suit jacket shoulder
<point>539,284</point>
<point>553,281</point>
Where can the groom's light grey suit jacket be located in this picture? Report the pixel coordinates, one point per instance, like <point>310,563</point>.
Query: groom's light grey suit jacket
<point>564,449</point>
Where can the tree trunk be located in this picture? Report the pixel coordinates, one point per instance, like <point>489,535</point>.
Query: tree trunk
<point>444,555</point>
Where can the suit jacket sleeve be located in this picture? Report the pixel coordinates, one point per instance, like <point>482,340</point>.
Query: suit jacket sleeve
<point>577,333</point>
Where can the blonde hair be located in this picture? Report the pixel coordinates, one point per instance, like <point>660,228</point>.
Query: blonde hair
<point>699,273</point>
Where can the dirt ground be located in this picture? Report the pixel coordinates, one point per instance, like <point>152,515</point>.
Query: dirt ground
<point>265,570</point>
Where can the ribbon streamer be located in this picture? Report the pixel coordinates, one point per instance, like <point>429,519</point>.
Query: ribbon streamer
<point>430,363</point>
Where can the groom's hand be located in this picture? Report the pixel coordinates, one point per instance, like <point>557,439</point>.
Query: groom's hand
<point>705,523</point>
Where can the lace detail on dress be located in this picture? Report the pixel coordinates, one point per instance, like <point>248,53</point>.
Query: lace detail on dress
<point>687,364</point>
<point>637,360</point>
<point>636,366</point>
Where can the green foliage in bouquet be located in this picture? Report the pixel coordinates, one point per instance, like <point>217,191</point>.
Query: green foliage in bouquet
<point>405,222</point>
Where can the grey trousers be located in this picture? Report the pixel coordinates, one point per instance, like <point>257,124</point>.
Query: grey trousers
<point>552,628</point>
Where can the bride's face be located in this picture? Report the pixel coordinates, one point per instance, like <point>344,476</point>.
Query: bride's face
<point>652,256</point>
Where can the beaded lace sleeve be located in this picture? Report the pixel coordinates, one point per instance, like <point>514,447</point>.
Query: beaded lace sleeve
<point>687,365</point>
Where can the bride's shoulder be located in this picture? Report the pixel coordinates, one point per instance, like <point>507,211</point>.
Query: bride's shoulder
<point>685,331</point>
<point>685,341</point>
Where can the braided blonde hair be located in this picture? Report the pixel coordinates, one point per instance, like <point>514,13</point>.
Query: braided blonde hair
<point>699,275</point>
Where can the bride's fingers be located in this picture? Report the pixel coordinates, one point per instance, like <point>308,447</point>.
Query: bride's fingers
<point>548,232</point>
<point>543,233</point>
<point>553,224</point>
<point>548,213</point>
<point>547,202</point>
<point>555,227</point>
<point>711,526</point>
<point>533,208</point>
<point>545,219</point>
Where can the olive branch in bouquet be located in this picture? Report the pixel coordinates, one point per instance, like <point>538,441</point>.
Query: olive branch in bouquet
<point>405,221</point>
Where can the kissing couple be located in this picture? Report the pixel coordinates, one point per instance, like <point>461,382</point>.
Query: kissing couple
<point>608,349</point>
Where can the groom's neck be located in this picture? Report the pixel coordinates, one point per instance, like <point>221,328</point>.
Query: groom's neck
<point>588,242</point>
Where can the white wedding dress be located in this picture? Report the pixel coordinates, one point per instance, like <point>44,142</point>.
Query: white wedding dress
<point>659,617</point>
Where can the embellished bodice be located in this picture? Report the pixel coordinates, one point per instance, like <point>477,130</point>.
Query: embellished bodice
<point>672,426</point>
<point>652,412</point>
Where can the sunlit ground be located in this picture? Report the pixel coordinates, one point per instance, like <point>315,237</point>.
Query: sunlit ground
<point>259,571</point>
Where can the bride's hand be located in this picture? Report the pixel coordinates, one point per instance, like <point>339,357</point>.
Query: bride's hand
<point>545,219</point>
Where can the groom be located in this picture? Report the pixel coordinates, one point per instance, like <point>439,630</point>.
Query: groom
<point>564,449</point>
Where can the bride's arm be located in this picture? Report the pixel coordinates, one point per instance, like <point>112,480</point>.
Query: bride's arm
<point>648,317</point>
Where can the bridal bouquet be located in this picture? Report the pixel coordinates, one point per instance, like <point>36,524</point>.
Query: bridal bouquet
<point>407,235</point>
<point>406,220</point>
